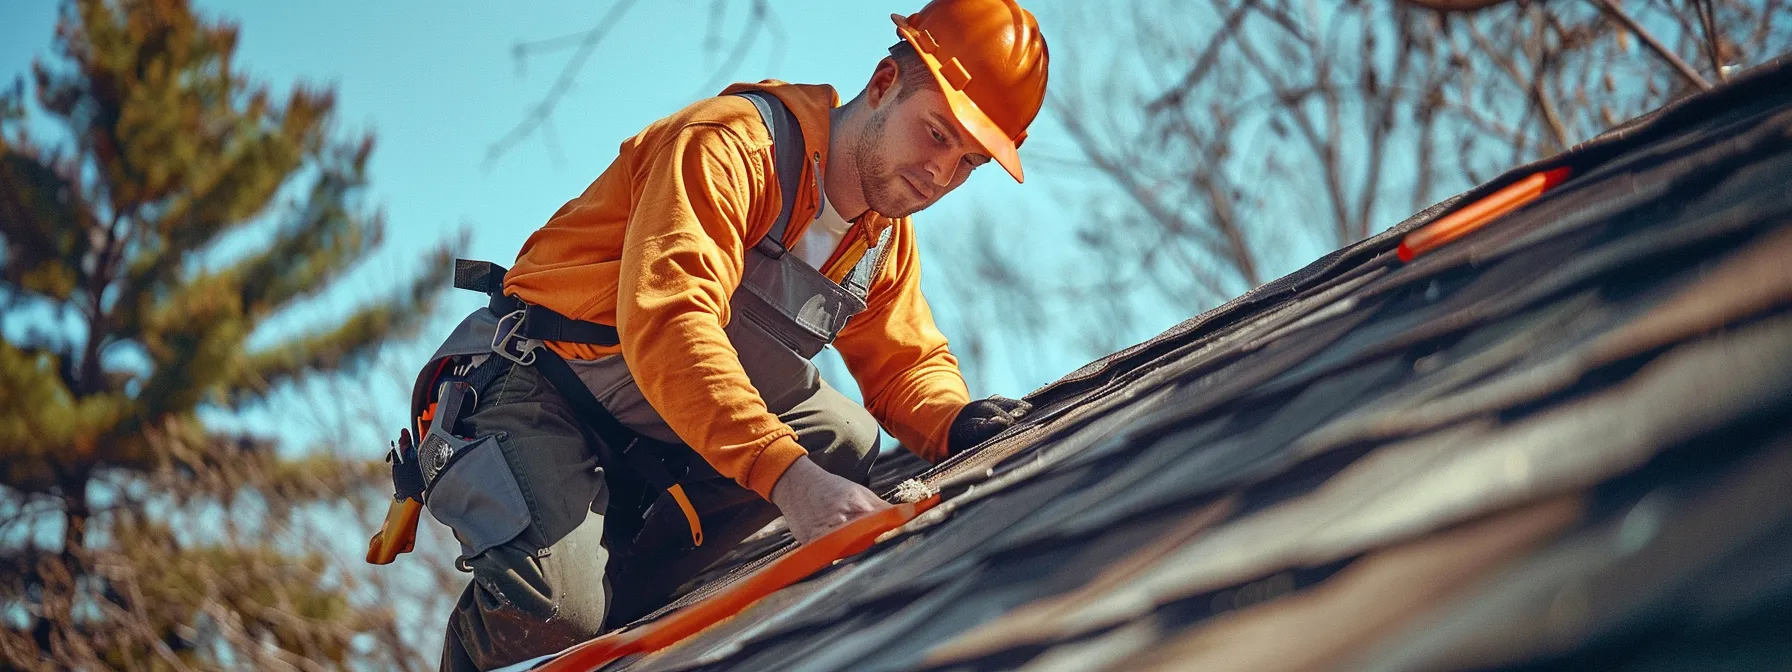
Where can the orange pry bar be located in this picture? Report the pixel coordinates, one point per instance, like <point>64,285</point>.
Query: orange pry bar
<point>851,539</point>
<point>1462,222</point>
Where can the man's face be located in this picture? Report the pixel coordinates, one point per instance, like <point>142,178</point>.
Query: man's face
<point>914,154</point>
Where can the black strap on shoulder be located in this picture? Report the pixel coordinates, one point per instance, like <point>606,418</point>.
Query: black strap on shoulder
<point>787,150</point>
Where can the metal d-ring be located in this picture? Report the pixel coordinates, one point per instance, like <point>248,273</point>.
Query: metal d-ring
<point>503,337</point>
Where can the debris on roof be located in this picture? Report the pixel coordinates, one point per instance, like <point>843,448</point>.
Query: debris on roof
<point>1561,440</point>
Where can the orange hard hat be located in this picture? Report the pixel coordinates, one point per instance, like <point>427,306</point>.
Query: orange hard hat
<point>990,61</point>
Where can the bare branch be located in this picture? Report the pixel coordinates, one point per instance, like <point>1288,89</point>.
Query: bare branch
<point>1204,62</point>
<point>759,19</point>
<point>543,109</point>
<point>1713,40</point>
<point>1456,5</point>
<point>1617,13</point>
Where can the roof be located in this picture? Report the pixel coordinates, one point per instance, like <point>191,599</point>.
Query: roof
<point>1560,440</point>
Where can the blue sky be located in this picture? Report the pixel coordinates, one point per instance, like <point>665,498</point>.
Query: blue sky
<point>438,84</point>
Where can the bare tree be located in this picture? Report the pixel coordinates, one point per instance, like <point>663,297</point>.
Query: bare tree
<point>1235,139</point>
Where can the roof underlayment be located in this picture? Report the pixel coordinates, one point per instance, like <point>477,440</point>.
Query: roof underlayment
<point>1561,441</point>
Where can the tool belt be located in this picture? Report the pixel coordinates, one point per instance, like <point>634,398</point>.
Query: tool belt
<point>636,468</point>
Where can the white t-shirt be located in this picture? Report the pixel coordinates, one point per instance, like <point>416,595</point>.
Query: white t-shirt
<point>824,234</point>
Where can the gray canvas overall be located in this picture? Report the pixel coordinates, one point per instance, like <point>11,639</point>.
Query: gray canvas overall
<point>527,501</point>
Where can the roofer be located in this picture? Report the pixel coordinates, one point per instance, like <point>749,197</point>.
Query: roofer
<point>677,302</point>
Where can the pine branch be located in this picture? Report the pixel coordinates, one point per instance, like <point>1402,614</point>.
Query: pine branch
<point>351,343</point>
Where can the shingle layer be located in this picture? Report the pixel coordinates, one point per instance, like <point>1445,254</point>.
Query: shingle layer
<point>1561,441</point>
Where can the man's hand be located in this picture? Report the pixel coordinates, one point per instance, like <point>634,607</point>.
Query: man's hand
<point>815,502</point>
<point>983,419</point>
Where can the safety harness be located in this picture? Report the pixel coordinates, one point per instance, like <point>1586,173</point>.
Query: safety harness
<point>637,471</point>
<point>636,467</point>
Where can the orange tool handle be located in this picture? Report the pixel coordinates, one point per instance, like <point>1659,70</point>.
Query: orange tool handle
<point>850,539</point>
<point>398,534</point>
<point>1477,214</point>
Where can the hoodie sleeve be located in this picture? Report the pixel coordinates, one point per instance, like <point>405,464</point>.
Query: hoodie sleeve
<point>682,258</point>
<point>911,382</point>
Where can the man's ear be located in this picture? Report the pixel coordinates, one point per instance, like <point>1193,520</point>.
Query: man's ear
<point>885,81</point>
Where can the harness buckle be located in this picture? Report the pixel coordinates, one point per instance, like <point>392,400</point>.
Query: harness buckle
<point>770,246</point>
<point>509,343</point>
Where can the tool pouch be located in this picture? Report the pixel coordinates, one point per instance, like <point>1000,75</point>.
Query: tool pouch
<point>476,495</point>
<point>468,485</point>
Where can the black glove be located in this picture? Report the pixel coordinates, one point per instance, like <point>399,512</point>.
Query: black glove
<point>982,419</point>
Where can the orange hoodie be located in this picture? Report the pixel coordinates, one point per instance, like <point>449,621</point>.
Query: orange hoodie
<point>656,246</point>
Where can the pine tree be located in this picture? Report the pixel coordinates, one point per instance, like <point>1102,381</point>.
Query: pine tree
<point>127,314</point>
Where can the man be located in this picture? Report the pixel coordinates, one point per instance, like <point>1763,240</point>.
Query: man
<point>692,245</point>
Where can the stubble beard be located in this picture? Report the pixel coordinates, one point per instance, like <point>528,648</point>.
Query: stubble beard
<point>876,181</point>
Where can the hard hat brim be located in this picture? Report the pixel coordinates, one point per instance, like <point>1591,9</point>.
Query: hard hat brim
<point>975,122</point>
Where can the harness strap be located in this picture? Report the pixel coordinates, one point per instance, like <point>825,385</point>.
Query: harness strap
<point>543,324</point>
<point>787,150</point>
<point>646,457</point>
<point>540,323</point>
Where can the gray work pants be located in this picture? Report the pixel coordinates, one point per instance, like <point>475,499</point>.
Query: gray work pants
<point>556,583</point>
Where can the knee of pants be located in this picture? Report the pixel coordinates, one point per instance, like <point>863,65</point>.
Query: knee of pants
<point>852,443</point>
<point>524,603</point>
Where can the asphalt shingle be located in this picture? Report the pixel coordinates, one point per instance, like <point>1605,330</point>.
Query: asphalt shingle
<point>1561,441</point>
